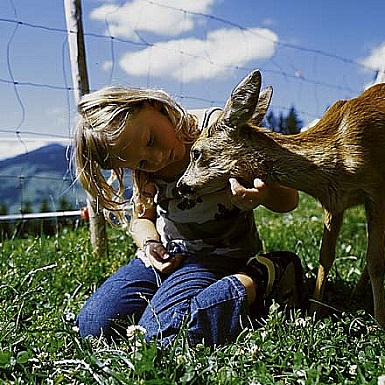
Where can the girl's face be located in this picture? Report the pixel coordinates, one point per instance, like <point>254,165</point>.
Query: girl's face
<point>148,142</point>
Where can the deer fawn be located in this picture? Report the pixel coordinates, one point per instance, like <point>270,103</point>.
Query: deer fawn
<point>340,161</point>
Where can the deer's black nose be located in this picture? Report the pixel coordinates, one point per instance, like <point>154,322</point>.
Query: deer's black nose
<point>184,189</point>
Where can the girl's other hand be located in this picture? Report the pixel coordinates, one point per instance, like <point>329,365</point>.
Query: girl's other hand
<point>160,259</point>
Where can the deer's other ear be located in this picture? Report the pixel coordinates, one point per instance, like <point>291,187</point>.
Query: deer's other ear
<point>262,106</point>
<point>240,107</point>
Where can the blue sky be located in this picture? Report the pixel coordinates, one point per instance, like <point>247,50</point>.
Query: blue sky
<point>312,53</point>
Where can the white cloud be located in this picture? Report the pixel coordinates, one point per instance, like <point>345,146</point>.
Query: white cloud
<point>376,59</point>
<point>268,22</point>
<point>310,125</point>
<point>163,17</point>
<point>189,58</point>
<point>376,62</point>
<point>193,59</point>
<point>107,65</point>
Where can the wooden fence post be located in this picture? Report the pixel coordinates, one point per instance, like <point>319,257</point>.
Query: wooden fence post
<point>73,13</point>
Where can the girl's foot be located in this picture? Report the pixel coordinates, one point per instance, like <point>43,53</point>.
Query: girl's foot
<point>277,275</point>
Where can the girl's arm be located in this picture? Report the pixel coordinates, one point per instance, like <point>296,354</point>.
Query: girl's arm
<point>142,225</point>
<point>274,196</point>
<point>146,237</point>
<point>143,228</point>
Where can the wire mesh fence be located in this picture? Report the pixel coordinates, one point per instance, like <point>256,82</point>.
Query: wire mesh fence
<point>185,48</point>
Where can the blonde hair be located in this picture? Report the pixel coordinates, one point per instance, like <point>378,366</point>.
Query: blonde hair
<point>102,117</point>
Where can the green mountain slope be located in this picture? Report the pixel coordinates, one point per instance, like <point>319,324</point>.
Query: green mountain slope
<point>42,174</point>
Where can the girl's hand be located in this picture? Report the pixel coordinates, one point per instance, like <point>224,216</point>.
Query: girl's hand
<point>248,198</point>
<point>160,259</point>
<point>275,197</point>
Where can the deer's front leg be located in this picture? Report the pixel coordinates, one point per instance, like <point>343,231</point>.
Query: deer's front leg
<point>375,257</point>
<point>332,226</point>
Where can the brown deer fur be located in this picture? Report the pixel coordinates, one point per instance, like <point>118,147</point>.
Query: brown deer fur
<point>340,161</point>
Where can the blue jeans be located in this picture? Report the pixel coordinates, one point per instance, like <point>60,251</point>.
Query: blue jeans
<point>203,295</point>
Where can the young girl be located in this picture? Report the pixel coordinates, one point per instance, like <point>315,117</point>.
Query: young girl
<point>195,265</point>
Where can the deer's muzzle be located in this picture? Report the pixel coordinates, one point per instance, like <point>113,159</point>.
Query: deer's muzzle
<point>184,189</point>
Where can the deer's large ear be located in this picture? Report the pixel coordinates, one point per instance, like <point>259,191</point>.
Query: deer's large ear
<point>240,107</point>
<point>262,106</point>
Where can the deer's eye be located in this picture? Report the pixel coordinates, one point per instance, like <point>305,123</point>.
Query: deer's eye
<point>196,154</point>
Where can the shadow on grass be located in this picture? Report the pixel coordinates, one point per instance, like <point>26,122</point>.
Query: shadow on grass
<point>339,298</point>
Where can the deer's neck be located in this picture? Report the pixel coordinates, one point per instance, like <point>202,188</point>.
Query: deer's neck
<point>303,162</point>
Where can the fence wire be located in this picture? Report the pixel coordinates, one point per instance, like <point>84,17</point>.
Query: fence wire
<point>38,112</point>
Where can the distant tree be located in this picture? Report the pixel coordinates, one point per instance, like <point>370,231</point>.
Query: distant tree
<point>5,228</point>
<point>64,205</point>
<point>47,225</point>
<point>281,124</point>
<point>44,206</point>
<point>26,208</point>
<point>292,124</point>
<point>289,124</point>
<point>25,227</point>
<point>270,121</point>
<point>3,209</point>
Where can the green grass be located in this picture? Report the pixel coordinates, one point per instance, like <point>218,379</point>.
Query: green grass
<point>45,281</point>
